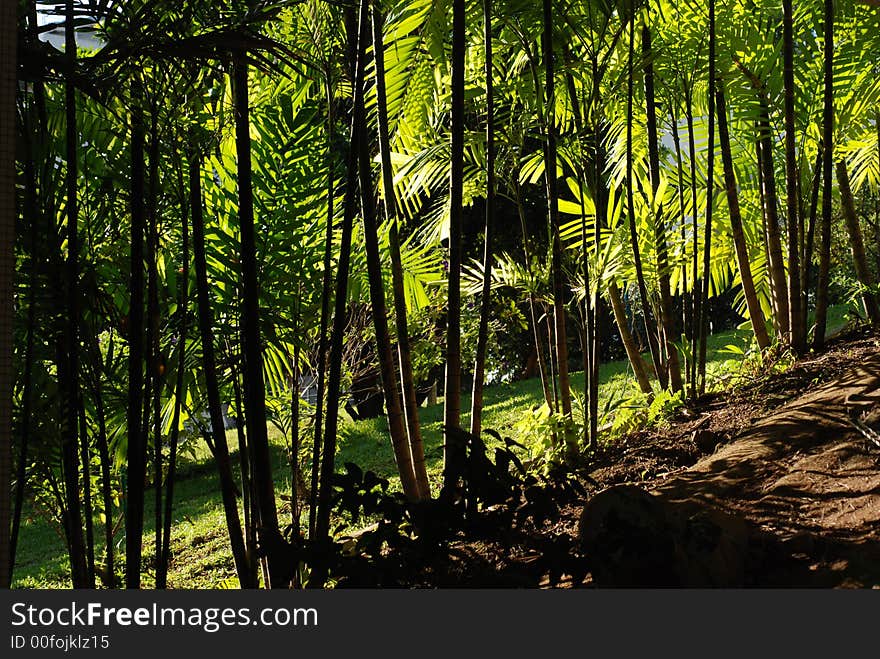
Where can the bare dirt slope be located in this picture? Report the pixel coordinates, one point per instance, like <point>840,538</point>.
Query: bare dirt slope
<point>777,451</point>
<point>806,475</point>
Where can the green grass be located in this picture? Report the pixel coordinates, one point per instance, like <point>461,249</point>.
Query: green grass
<point>200,553</point>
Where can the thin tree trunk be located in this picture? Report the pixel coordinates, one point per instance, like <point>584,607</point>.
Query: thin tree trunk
<point>295,502</point>
<point>536,331</point>
<point>552,359</point>
<point>31,210</point>
<point>774,242</point>
<point>796,325</point>
<point>667,318</point>
<point>485,296</point>
<point>771,289</point>
<point>69,368</point>
<point>407,381</point>
<point>696,287</point>
<point>454,449</point>
<point>857,245</point>
<point>154,374</point>
<point>559,292</point>
<point>136,450</point>
<point>626,337</point>
<point>390,391</point>
<point>589,307</point>
<point>807,259</point>
<point>88,510</point>
<point>687,299</point>
<point>8,218</point>
<point>326,286</point>
<point>827,165</point>
<point>221,450</point>
<point>180,392</point>
<point>248,506</point>
<point>756,315</point>
<point>631,211</point>
<point>601,220</point>
<point>710,196</point>
<point>334,379</point>
<point>271,542</point>
<point>109,572</point>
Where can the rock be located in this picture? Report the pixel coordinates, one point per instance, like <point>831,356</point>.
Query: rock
<point>633,538</point>
<point>705,440</point>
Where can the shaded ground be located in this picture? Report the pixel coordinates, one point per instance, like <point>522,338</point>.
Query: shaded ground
<point>779,452</point>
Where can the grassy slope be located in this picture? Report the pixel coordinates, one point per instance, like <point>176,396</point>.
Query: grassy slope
<point>200,554</point>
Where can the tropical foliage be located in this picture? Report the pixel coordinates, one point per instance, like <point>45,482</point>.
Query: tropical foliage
<point>288,207</point>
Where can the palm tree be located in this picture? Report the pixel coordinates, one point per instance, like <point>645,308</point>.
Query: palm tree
<point>390,390</point>
<point>797,326</point>
<point>357,37</point>
<point>326,291</point>
<point>408,388</point>
<point>243,567</point>
<point>756,314</point>
<point>453,456</point>
<point>483,335</point>
<point>254,389</point>
<point>857,245</point>
<point>631,212</point>
<point>559,312</point>
<point>710,200</point>
<point>672,369</point>
<point>136,449</point>
<point>827,165</point>
<point>68,367</point>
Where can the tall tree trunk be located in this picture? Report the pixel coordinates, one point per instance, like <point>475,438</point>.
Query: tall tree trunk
<point>109,571</point>
<point>88,510</point>
<point>667,318</point>
<point>293,458</point>
<point>710,198</point>
<point>533,316</point>
<point>696,286</point>
<point>179,391</point>
<point>626,337</point>
<point>590,301</point>
<point>687,298</point>
<point>136,450</point>
<point>248,504</point>
<point>756,315</point>
<point>154,375</point>
<point>559,293</point>
<point>8,217</point>
<point>827,165</point>
<point>218,432</point>
<point>771,206</point>
<point>270,538</point>
<point>857,245</point>
<point>334,376</point>
<point>796,325</point>
<point>326,291</point>
<point>771,289</point>
<point>390,391</point>
<point>454,449</point>
<point>631,211</point>
<point>408,387</point>
<point>807,258</point>
<point>601,220</point>
<point>485,295</point>
<point>32,210</point>
<point>69,369</point>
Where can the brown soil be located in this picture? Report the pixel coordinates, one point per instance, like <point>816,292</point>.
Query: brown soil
<point>787,459</point>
